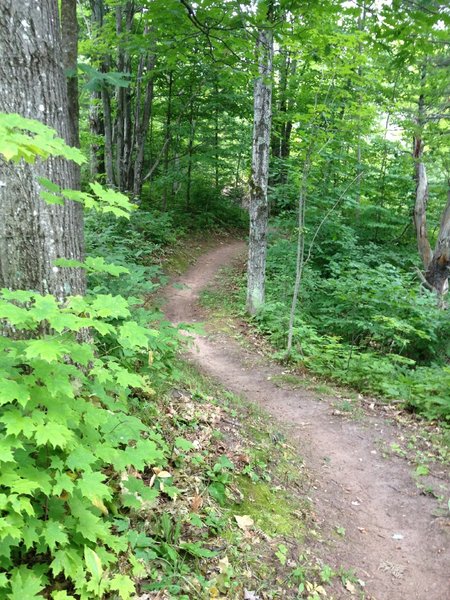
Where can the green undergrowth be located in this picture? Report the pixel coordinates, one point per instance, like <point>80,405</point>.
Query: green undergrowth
<point>420,387</point>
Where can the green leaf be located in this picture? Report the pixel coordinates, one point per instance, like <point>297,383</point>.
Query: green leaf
<point>11,390</point>
<point>25,584</point>
<point>53,534</point>
<point>6,447</point>
<point>48,349</point>
<point>195,549</point>
<point>29,139</point>
<point>15,422</point>
<point>91,485</point>
<point>49,185</point>
<point>51,432</point>
<point>183,444</point>
<point>97,264</point>
<point>123,585</point>
<point>67,561</point>
<point>93,563</point>
<point>51,198</point>
<point>106,305</point>
<point>132,335</point>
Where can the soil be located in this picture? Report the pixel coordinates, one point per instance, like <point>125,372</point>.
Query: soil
<point>369,509</point>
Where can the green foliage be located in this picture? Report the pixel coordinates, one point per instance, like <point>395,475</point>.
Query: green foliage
<point>135,245</point>
<point>22,138</point>
<point>66,438</point>
<point>69,371</point>
<point>363,323</point>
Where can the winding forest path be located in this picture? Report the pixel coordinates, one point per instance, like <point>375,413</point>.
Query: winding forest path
<point>393,539</point>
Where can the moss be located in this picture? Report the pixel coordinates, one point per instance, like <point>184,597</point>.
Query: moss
<point>271,509</point>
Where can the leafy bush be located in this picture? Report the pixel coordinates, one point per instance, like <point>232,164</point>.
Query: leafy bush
<point>67,442</point>
<point>383,309</point>
<point>70,451</point>
<point>361,319</point>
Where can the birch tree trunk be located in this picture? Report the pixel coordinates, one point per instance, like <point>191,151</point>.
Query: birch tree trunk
<point>259,207</point>
<point>32,83</point>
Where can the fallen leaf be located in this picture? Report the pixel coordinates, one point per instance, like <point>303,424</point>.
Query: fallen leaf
<point>244,522</point>
<point>164,474</point>
<point>197,502</point>
<point>350,587</point>
<point>250,595</point>
<point>224,564</point>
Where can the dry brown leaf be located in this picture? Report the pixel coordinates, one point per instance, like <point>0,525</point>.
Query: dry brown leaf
<point>350,587</point>
<point>197,502</point>
<point>244,522</point>
<point>164,474</point>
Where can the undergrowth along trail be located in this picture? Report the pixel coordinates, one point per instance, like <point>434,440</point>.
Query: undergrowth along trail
<point>370,508</point>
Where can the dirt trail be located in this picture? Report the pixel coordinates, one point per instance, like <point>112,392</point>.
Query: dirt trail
<point>393,539</point>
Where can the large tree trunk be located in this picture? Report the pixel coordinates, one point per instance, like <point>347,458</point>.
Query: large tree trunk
<point>69,34</point>
<point>32,83</point>
<point>259,208</point>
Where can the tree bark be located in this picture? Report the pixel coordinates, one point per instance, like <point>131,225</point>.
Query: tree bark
<point>167,138</point>
<point>420,207</point>
<point>438,272</point>
<point>420,176</point>
<point>142,119</point>
<point>69,36</point>
<point>259,207</point>
<point>32,83</point>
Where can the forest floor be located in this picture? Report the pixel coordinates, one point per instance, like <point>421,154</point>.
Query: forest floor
<point>376,506</point>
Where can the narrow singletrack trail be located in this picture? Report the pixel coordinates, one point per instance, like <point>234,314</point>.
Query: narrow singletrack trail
<point>393,538</point>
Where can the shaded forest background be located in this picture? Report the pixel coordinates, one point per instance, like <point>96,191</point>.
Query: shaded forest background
<point>360,111</point>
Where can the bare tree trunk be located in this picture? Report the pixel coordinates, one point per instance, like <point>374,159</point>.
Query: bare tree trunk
<point>32,83</point>
<point>142,124</point>
<point>420,175</point>
<point>96,121</point>
<point>436,264</point>
<point>259,207</point>
<point>107,119</point>
<point>300,247</point>
<point>420,207</point>
<point>438,272</point>
<point>361,25</point>
<point>190,152</point>
<point>123,120</point>
<point>167,138</point>
<point>97,129</point>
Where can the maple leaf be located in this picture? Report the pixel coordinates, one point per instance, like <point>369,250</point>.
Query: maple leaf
<point>11,390</point>
<point>53,534</point>
<point>25,584</point>
<point>91,485</point>
<point>106,305</point>
<point>52,432</point>
<point>48,349</point>
<point>123,585</point>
